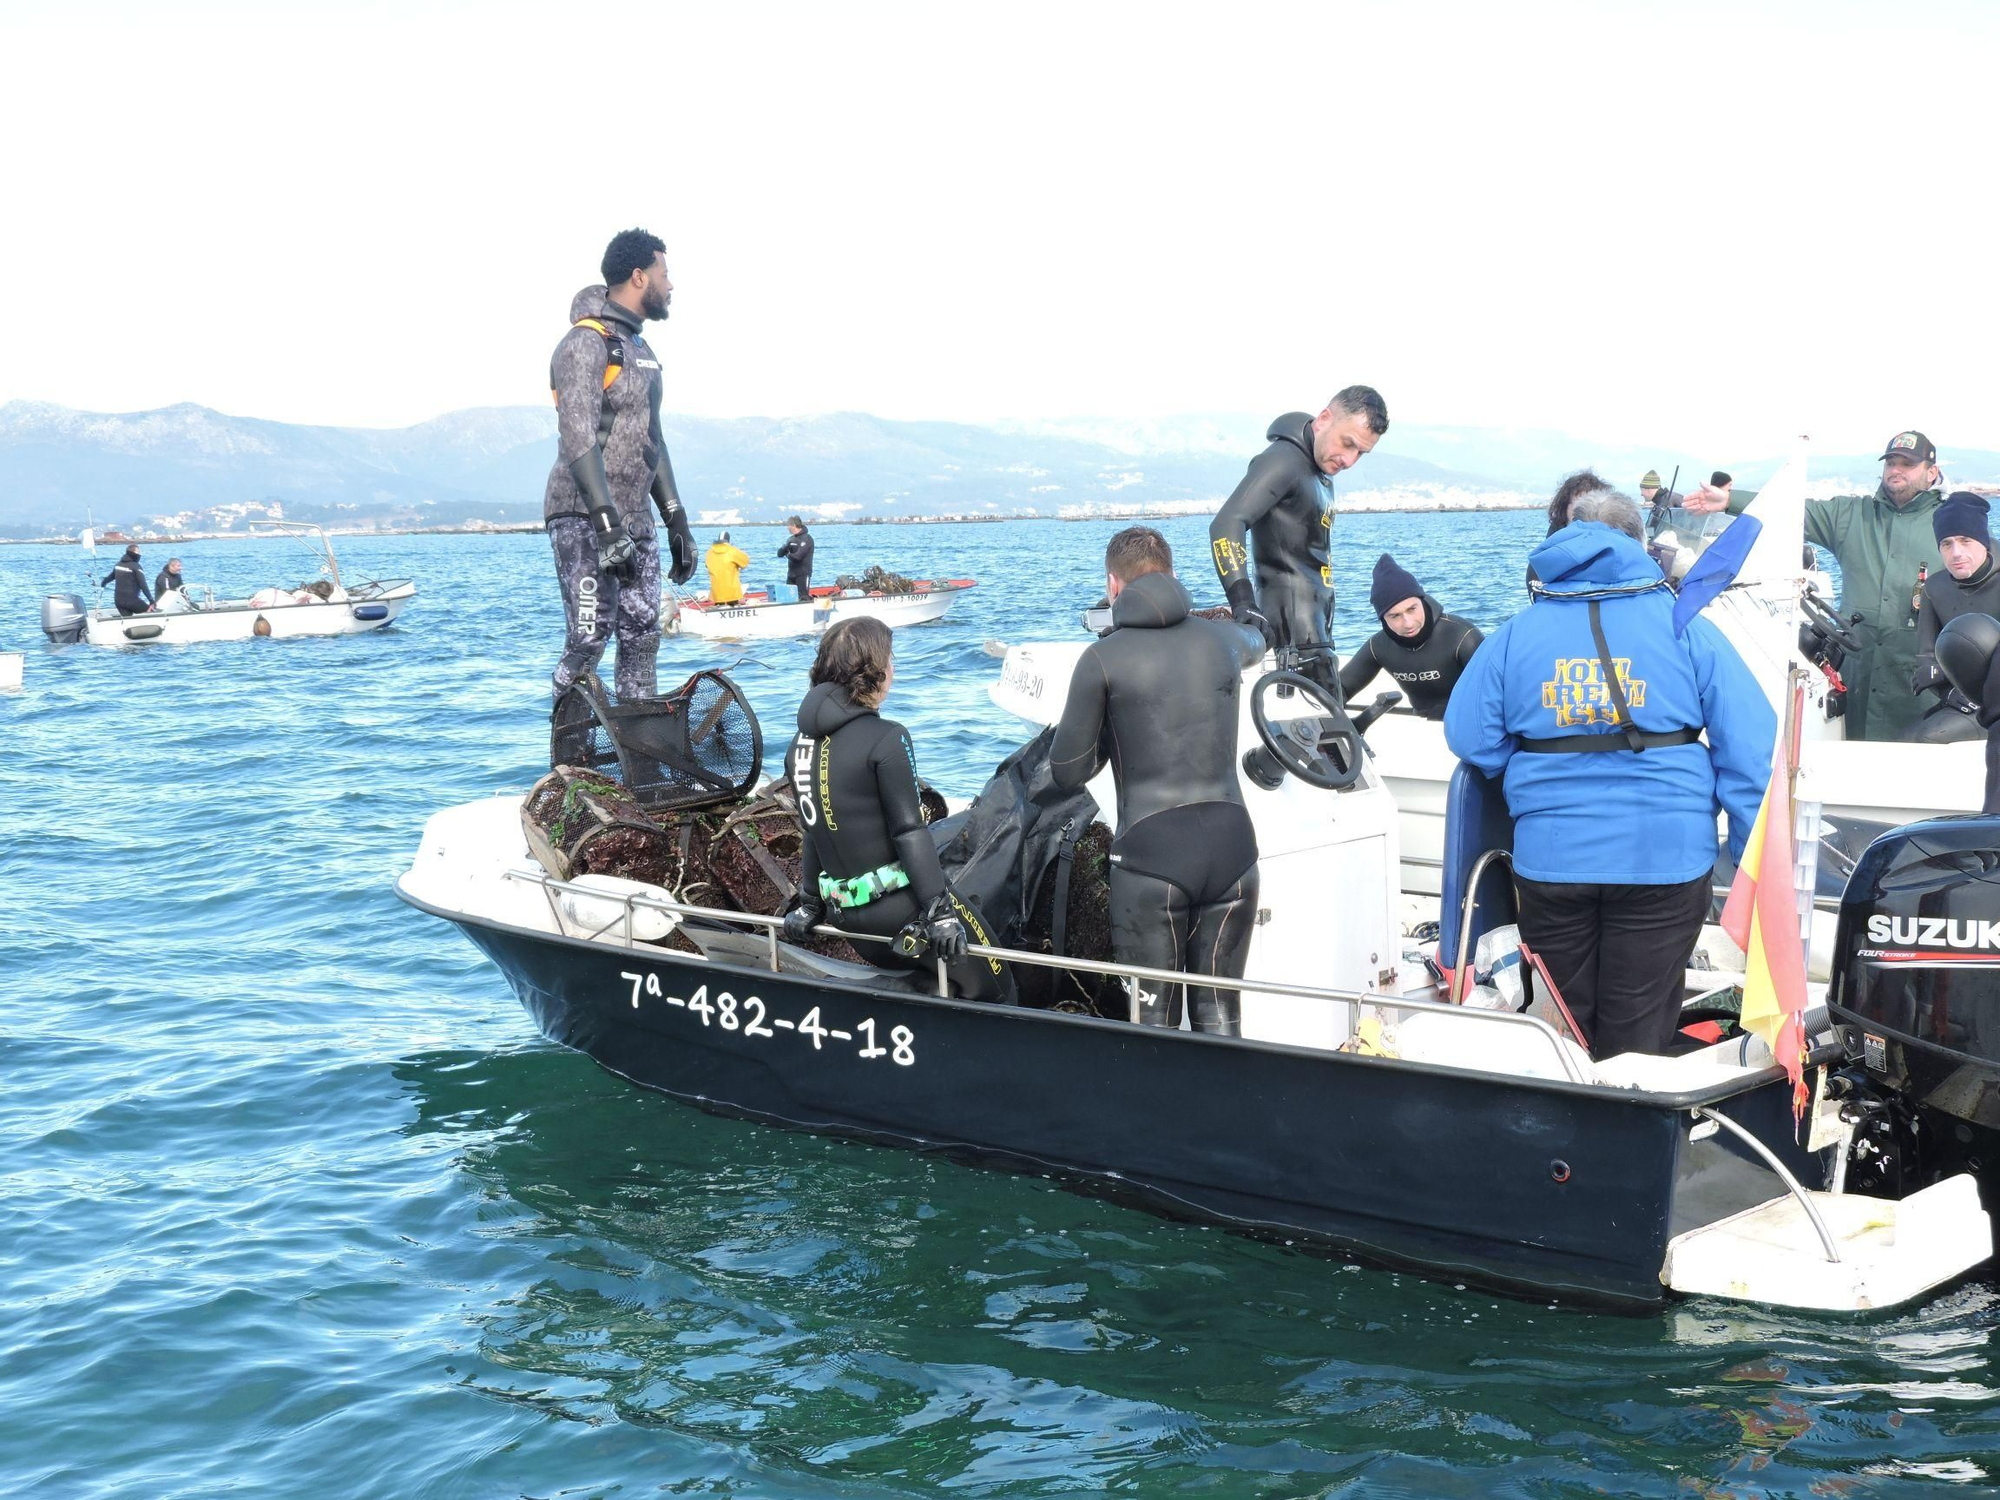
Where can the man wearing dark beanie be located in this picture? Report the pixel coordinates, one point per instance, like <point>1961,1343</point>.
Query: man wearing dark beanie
<point>1969,585</point>
<point>1419,645</point>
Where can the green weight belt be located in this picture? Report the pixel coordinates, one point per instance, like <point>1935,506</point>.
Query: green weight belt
<point>859,890</point>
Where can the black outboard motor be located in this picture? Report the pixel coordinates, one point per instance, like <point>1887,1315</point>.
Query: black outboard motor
<point>62,618</point>
<point>1916,989</point>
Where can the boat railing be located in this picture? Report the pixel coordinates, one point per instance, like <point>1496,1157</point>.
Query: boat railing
<point>632,902</point>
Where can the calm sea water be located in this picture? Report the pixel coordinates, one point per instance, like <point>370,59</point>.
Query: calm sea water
<point>294,1200</point>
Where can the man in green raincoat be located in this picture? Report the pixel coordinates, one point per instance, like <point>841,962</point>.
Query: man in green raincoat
<point>1883,543</point>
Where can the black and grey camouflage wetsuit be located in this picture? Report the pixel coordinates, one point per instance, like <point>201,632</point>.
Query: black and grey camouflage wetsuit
<point>619,423</point>
<point>1277,526</point>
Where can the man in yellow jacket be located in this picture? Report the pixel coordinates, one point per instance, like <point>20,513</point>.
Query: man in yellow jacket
<point>725,562</point>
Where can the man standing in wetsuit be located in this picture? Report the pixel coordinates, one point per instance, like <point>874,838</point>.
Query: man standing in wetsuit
<point>131,595</point>
<point>611,459</point>
<point>797,552</point>
<point>1280,518</point>
<point>1419,646</point>
<point>1156,697</point>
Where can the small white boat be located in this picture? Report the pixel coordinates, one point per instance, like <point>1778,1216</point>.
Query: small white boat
<point>350,608</point>
<point>758,616</point>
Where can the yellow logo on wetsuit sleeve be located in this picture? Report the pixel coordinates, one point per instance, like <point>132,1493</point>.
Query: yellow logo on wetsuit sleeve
<point>1580,696</point>
<point>1230,557</point>
<point>825,784</point>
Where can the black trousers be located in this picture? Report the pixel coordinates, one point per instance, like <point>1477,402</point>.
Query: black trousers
<point>805,591</point>
<point>1616,953</point>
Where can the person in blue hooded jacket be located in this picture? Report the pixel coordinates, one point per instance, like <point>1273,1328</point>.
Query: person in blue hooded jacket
<point>1590,711</point>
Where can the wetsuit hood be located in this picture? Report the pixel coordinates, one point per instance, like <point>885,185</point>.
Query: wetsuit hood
<point>1294,427</point>
<point>1588,557</point>
<point>1151,601</point>
<point>588,303</point>
<point>827,707</point>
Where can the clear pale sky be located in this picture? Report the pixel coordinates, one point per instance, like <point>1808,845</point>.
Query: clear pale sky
<point>1714,223</point>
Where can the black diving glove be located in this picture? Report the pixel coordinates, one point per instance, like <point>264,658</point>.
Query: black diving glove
<point>945,930</point>
<point>1928,677</point>
<point>1243,610</point>
<point>680,540</point>
<point>1957,702</point>
<point>804,916</point>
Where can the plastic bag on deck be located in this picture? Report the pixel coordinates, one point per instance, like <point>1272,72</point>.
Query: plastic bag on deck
<point>998,850</point>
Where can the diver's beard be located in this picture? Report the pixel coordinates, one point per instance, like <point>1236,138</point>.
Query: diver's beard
<point>655,307</point>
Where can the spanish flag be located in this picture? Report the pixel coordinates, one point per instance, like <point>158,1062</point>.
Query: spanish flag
<point>1761,917</point>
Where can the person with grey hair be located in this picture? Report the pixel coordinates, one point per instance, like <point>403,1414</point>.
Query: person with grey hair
<point>1611,509</point>
<point>1592,685</point>
<point>1272,541</point>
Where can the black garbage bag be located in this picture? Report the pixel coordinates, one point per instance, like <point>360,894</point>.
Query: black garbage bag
<point>1007,854</point>
<point>996,851</point>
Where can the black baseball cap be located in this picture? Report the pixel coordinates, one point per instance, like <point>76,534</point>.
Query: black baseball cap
<point>1911,445</point>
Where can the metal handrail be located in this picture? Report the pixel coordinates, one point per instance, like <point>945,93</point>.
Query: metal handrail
<point>1792,1184</point>
<point>1355,999</point>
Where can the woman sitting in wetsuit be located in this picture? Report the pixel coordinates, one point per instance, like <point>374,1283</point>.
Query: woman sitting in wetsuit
<point>869,864</point>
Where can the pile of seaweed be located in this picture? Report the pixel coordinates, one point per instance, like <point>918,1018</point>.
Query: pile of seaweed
<point>877,580</point>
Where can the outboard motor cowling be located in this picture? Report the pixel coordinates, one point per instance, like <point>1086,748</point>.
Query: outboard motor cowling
<point>1916,988</point>
<point>63,618</point>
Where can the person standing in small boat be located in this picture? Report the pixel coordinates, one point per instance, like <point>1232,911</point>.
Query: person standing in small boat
<point>1156,697</point>
<point>1885,547</point>
<point>170,580</point>
<point>612,469</point>
<point>1968,584</point>
<point>797,551</point>
<point>725,562</point>
<point>128,577</point>
<point>1590,710</point>
<point>869,864</point>
<point>1421,647</point>
<point>1272,541</point>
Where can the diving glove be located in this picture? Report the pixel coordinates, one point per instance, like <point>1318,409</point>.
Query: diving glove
<point>1243,610</point>
<point>680,540</point>
<point>803,918</point>
<point>938,933</point>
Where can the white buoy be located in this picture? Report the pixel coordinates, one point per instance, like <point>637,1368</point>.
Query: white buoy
<point>10,670</point>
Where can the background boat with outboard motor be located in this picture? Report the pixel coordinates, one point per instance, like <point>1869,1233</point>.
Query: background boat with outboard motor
<point>352,607</point>
<point>1358,1111</point>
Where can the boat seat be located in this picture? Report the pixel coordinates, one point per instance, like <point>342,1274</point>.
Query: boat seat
<point>1475,820</point>
<point>752,950</point>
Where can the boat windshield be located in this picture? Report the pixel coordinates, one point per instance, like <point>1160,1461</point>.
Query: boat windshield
<point>314,539</point>
<point>1678,537</point>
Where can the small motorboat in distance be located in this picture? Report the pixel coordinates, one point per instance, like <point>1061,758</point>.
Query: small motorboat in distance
<point>758,616</point>
<point>349,608</point>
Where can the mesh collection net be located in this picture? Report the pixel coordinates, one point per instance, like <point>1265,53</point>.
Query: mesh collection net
<point>700,744</point>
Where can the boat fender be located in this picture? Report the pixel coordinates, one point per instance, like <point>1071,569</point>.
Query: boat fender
<point>371,611</point>
<point>142,632</point>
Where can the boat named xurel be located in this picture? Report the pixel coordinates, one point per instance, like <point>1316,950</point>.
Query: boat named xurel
<point>1476,1144</point>
<point>760,617</point>
<point>351,608</point>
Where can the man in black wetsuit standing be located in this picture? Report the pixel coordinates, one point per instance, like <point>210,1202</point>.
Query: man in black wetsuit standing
<point>1419,646</point>
<point>797,551</point>
<point>611,460</point>
<point>1157,698</point>
<point>1272,539</point>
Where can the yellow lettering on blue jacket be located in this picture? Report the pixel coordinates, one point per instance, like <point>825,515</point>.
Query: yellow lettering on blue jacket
<point>1580,697</point>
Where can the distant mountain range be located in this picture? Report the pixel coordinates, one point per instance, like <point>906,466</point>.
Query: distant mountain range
<point>187,468</point>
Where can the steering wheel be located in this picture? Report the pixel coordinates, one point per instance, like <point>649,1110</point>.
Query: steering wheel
<point>1301,745</point>
<point>1823,620</point>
